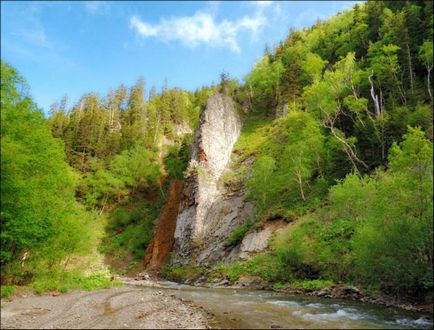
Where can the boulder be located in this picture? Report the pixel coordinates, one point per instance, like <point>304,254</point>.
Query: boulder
<point>257,239</point>
<point>251,282</point>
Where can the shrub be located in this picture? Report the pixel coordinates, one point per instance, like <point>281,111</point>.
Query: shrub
<point>7,290</point>
<point>263,265</point>
<point>181,273</point>
<point>311,285</point>
<point>238,233</point>
<point>65,281</point>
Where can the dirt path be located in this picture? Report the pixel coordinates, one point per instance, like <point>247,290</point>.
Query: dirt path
<point>116,308</point>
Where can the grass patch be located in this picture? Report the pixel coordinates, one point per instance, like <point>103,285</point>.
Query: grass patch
<point>7,290</point>
<point>263,265</point>
<point>181,273</point>
<point>278,286</point>
<point>64,282</point>
<point>234,178</point>
<point>238,233</point>
<point>311,285</point>
<point>252,136</point>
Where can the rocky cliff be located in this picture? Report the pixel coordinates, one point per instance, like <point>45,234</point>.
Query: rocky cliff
<point>204,211</point>
<point>206,214</point>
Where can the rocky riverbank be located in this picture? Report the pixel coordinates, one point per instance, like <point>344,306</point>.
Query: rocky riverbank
<point>338,291</point>
<point>115,308</point>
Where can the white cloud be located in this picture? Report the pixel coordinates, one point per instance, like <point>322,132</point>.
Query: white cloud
<point>200,28</point>
<point>143,28</point>
<point>96,7</point>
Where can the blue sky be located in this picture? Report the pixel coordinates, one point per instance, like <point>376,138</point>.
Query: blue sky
<point>71,48</point>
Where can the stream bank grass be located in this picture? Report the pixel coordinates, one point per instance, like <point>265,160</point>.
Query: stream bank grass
<point>7,290</point>
<point>66,281</point>
<point>264,266</point>
<point>181,273</point>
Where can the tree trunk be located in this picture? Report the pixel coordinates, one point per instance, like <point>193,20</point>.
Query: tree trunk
<point>349,151</point>
<point>285,110</point>
<point>374,97</point>
<point>429,83</point>
<point>410,67</point>
<point>156,128</point>
<point>300,185</point>
<point>383,151</point>
<point>66,262</point>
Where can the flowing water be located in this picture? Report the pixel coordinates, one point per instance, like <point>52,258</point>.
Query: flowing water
<point>239,308</point>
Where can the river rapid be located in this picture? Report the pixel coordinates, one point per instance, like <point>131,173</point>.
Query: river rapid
<point>240,308</point>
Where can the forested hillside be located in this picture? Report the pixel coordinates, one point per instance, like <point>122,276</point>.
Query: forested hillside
<point>337,142</point>
<point>348,159</point>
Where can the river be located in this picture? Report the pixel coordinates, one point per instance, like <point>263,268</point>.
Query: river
<point>240,308</point>
<point>167,305</point>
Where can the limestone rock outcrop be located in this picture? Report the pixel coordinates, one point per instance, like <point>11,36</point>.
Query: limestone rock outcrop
<point>206,214</point>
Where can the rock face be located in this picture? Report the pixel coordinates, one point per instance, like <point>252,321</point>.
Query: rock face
<point>203,210</point>
<point>206,215</point>
<point>162,242</point>
<point>257,239</point>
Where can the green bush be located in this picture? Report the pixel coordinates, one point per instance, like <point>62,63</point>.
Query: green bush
<point>41,222</point>
<point>66,281</point>
<point>286,173</point>
<point>181,273</point>
<point>265,266</point>
<point>176,160</point>
<point>377,230</point>
<point>238,233</point>
<point>7,290</point>
<point>311,285</point>
<point>130,228</point>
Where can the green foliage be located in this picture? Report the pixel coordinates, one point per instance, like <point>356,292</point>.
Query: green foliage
<point>181,273</point>
<point>313,66</point>
<point>377,229</point>
<point>347,89</point>
<point>399,222</point>
<point>290,158</point>
<point>41,223</point>
<point>133,169</point>
<point>263,265</point>
<point>426,54</point>
<point>66,281</point>
<point>252,136</point>
<point>311,285</point>
<point>259,184</point>
<point>176,160</point>
<point>7,291</point>
<point>136,167</point>
<point>263,82</point>
<point>129,230</point>
<point>237,235</point>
